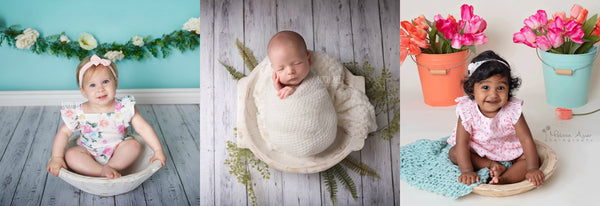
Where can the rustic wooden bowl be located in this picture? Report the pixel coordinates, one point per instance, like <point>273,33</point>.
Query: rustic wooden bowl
<point>549,161</point>
<point>249,136</point>
<point>132,177</point>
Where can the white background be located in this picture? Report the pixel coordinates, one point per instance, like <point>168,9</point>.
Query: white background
<point>576,179</point>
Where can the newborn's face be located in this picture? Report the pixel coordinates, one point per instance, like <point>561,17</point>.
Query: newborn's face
<point>290,64</point>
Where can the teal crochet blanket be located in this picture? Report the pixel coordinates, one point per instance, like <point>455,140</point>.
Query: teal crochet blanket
<point>425,164</point>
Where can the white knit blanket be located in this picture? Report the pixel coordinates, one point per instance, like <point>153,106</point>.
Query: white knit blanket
<point>306,122</point>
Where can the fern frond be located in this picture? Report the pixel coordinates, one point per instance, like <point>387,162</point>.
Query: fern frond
<point>234,73</point>
<point>340,173</point>
<point>330,184</point>
<point>247,55</point>
<point>361,168</point>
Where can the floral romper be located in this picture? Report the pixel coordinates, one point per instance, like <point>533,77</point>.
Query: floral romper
<point>101,132</point>
<point>494,138</point>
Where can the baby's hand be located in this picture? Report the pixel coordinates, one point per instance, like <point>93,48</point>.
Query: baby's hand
<point>159,155</point>
<point>282,91</point>
<point>55,164</point>
<point>535,176</point>
<point>468,178</point>
<point>286,91</point>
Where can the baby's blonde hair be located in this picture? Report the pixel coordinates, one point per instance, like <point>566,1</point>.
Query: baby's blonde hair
<point>92,69</point>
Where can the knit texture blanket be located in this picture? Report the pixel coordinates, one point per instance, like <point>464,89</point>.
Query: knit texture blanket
<point>352,110</point>
<point>425,164</point>
<point>302,124</point>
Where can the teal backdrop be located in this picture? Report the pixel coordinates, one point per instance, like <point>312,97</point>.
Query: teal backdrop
<point>108,21</point>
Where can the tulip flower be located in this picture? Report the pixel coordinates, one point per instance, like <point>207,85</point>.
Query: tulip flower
<point>537,20</point>
<point>543,43</point>
<point>556,39</point>
<point>563,113</point>
<point>448,26</point>
<point>560,14</point>
<point>421,23</point>
<point>573,30</point>
<point>579,13</point>
<point>525,36</point>
<point>408,46</point>
<point>566,114</point>
<point>596,31</point>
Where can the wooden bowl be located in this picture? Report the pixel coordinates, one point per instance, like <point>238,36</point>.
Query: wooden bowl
<point>549,161</point>
<point>132,177</point>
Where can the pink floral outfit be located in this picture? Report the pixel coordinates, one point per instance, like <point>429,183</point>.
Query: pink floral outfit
<point>494,138</point>
<point>101,132</point>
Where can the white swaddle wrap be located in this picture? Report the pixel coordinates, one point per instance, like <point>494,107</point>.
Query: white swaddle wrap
<point>304,124</point>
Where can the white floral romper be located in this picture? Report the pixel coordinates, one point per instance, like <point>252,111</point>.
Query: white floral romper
<point>101,132</point>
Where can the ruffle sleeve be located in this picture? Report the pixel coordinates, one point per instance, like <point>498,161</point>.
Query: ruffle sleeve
<point>127,108</point>
<point>69,115</point>
<point>464,110</point>
<point>514,110</point>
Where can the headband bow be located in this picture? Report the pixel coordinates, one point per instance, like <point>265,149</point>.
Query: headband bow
<point>473,66</point>
<point>95,61</point>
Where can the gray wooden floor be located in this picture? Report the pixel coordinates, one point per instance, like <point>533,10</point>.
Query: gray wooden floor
<point>26,136</point>
<point>351,30</point>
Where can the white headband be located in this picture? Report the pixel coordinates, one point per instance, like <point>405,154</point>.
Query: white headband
<point>473,66</point>
<point>95,60</point>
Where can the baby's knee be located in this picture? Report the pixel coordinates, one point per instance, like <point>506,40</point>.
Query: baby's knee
<point>131,144</point>
<point>73,153</point>
<point>452,154</point>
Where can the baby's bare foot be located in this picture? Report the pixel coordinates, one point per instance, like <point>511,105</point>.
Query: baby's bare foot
<point>110,172</point>
<point>496,170</point>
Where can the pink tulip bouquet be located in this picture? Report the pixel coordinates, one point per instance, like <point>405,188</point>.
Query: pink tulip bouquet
<point>442,36</point>
<point>561,35</point>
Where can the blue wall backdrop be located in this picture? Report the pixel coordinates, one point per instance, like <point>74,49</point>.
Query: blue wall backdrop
<point>108,21</point>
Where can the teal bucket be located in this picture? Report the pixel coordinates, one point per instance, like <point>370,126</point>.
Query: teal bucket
<point>567,77</point>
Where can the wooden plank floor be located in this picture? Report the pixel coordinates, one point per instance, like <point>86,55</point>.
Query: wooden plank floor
<point>350,30</point>
<point>26,136</point>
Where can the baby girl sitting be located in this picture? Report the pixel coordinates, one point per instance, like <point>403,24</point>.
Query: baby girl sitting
<point>103,148</point>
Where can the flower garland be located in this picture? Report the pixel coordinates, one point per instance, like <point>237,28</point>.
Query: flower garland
<point>137,48</point>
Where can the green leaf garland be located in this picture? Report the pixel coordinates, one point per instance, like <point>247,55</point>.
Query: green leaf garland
<point>181,40</point>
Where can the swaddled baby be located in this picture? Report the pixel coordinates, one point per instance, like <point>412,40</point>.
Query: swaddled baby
<point>299,115</point>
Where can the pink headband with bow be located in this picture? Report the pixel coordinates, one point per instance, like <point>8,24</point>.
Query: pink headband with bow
<point>95,60</point>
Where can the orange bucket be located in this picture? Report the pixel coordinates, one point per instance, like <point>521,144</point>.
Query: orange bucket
<point>441,77</point>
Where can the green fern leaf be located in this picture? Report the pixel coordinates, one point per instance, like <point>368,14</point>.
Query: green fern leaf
<point>234,73</point>
<point>247,55</point>
<point>340,173</point>
<point>361,168</point>
<point>330,184</point>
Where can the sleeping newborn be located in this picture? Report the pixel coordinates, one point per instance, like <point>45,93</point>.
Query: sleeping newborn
<point>299,113</point>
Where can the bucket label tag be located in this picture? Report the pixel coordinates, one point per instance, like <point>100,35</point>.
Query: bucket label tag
<point>567,72</point>
<point>438,71</point>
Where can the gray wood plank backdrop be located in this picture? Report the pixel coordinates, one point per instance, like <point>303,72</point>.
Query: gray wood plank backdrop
<point>27,133</point>
<point>350,30</point>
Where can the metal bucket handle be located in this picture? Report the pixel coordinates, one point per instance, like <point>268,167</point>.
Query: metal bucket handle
<point>440,71</point>
<point>568,72</point>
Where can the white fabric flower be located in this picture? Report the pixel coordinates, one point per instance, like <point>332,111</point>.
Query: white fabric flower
<point>64,39</point>
<point>87,41</point>
<point>27,39</point>
<point>137,40</point>
<point>193,24</point>
<point>114,56</point>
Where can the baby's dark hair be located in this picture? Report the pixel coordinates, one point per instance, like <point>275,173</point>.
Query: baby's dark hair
<point>489,69</point>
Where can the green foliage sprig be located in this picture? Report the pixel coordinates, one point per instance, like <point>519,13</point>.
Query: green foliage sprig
<point>383,95</point>
<point>181,40</point>
<point>238,162</point>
